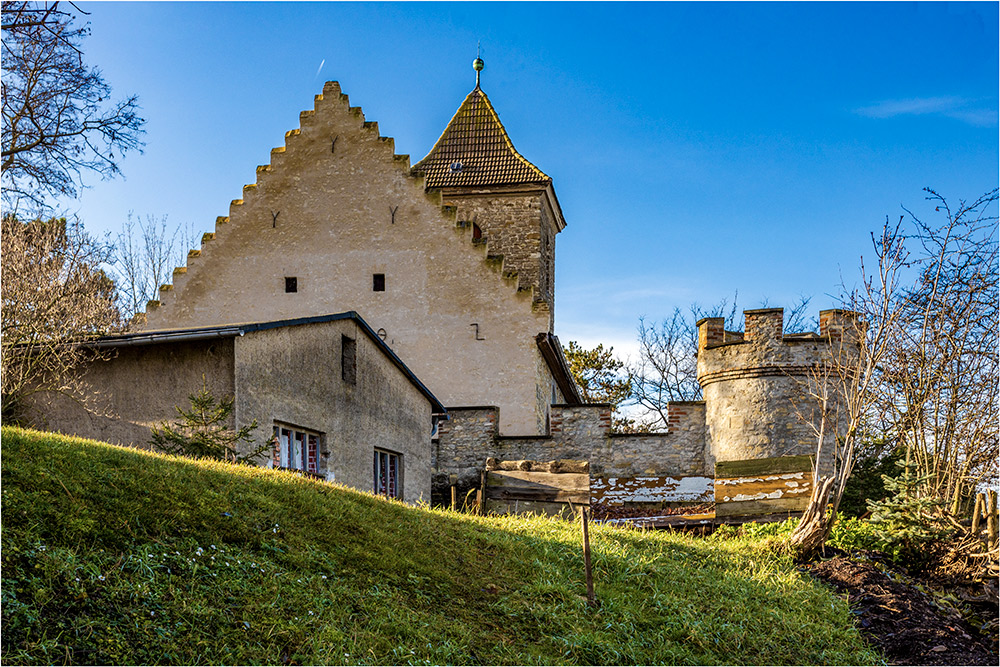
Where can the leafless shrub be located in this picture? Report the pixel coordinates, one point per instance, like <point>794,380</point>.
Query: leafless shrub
<point>55,295</point>
<point>921,371</point>
<point>145,254</point>
<point>666,368</point>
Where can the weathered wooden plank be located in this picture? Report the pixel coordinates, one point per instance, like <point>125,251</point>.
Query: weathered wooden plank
<point>677,520</point>
<point>753,507</point>
<point>650,489</point>
<point>763,466</point>
<point>756,518</point>
<point>520,478</point>
<point>540,495</point>
<point>557,466</point>
<point>783,485</point>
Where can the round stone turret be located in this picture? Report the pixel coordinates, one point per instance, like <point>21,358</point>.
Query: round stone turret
<point>757,384</point>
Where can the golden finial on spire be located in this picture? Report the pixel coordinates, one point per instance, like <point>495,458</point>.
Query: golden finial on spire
<point>478,63</point>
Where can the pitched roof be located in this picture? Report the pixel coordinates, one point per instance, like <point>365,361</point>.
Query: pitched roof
<point>234,330</point>
<point>475,150</point>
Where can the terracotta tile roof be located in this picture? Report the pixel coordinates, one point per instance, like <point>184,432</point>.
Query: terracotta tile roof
<point>475,150</point>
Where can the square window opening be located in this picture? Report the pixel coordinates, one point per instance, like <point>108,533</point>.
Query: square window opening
<point>378,282</point>
<point>291,284</point>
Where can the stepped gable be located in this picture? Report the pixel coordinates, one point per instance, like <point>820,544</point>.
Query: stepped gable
<point>171,294</point>
<point>474,150</point>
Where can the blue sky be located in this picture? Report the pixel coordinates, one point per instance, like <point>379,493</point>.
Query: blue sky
<point>697,149</point>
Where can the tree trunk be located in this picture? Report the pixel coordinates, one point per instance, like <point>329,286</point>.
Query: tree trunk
<point>811,533</point>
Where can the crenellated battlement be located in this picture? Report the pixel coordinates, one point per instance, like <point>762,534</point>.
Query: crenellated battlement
<point>756,382</point>
<point>762,349</point>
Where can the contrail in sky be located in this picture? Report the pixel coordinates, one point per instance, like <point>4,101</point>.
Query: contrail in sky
<point>322,62</point>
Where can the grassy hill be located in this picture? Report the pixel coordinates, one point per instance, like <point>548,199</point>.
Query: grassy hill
<point>115,556</point>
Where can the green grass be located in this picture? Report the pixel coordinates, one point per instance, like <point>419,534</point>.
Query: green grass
<point>115,556</point>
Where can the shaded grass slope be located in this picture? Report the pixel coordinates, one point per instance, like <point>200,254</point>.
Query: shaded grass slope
<point>115,556</point>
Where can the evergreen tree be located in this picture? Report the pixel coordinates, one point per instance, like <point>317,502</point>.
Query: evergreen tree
<point>202,431</point>
<point>603,378</point>
<point>910,517</point>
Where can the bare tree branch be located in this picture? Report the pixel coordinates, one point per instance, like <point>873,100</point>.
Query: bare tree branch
<point>54,295</point>
<point>58,120</point>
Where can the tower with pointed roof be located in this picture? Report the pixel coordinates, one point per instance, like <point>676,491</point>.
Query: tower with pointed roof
<point>504,197</point>
<point>451,261</point>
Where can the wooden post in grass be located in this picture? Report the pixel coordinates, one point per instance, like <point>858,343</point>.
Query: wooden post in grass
<point>481,493</point>
<point>977,513</point>
<point>991,519</point>
<point>586,556</point>
<point>454,497</point>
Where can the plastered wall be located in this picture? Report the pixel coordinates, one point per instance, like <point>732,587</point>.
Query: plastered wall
<point>134,388</point>
<point>293,376</point>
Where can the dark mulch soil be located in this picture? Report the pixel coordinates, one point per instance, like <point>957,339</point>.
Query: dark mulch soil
<point>902,621</point>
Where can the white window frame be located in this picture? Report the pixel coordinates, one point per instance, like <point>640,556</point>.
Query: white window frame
<point>293,446</point>
<point>387,473</point>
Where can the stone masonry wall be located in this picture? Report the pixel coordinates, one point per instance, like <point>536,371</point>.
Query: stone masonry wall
<point>469,437</point>
<point>462,445</point>
<point>518,226</point>
<point>678,453</point>
<point>757,388</point>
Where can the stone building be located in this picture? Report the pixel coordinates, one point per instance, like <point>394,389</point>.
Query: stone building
<point>756,405</point>
<point>338,403</point>
<point>452,261</point>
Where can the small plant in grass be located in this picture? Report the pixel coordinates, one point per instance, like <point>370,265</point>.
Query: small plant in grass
<point>909,519</point>
<point>851,534</point>
<point>203,432</point>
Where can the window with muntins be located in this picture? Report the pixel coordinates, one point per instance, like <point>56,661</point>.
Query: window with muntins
<point>386,469</point>
<point>296,449</point>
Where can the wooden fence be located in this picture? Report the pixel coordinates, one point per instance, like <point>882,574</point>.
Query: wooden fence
<point>752,490</point>
<point>761,488</point>
<point>546,487</point>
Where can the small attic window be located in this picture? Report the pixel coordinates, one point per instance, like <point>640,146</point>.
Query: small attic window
<point>291,284</point>
<point>456,167</point>
<point>378,282</point>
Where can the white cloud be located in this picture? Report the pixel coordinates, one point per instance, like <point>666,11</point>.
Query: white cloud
<point>957,108</point>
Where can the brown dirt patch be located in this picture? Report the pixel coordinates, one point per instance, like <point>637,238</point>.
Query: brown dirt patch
<point>901,620</point>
